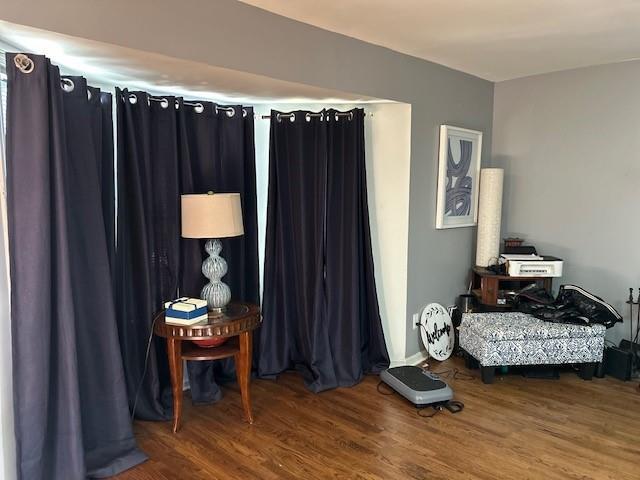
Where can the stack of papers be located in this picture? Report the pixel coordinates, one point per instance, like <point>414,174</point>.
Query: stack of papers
<point>520,257</point>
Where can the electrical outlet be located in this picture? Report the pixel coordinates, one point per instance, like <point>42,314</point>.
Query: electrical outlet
<point>416,320</point>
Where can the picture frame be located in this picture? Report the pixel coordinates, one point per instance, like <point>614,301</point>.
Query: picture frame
<point>459,157</point>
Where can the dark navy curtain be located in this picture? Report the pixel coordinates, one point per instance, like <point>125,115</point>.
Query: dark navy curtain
<point>320,309</point>
<point>166,147</point>
<point>71,414</point>
<point>220,157</point>
<point>147,254</point>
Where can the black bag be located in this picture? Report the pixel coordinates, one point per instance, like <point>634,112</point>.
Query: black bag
<point>572,305</point>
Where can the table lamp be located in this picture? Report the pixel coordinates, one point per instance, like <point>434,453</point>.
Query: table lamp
<point>213,216</point>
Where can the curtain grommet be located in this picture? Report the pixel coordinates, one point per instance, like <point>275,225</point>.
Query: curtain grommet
<point>290,116</point>
<point>89,95</point>
<point>307,117</point>
<point>23,63</point>
<point>230,111</point>
<point>350,116</point>
<point>164,103</point>
<point>244,113</point>
<point>198,108</point>
<point>67,84</point>
<point>133,99</point>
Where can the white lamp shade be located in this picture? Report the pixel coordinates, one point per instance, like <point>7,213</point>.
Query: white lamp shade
<point>211,215</point>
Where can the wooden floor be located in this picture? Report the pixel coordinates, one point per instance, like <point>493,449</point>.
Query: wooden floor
<point>516,428</point>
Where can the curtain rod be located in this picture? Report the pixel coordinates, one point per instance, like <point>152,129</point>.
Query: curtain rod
<point>292,116</point>
<point>199,108</point>
<point>68,85</point>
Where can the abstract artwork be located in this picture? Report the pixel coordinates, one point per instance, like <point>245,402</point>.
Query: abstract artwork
<point>458,177</point>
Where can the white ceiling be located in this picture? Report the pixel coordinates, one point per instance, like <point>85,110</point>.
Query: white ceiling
<point>493,39</point>
<point>106,65</point>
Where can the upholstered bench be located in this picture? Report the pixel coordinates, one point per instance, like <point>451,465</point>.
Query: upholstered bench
<point>509,339</point>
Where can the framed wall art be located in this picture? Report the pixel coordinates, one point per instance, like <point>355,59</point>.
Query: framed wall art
<point>458,177</point>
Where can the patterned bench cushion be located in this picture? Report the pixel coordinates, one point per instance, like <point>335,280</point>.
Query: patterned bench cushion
<point>513,338</point>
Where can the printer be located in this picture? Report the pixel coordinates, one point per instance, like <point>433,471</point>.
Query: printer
<point>531,265</point>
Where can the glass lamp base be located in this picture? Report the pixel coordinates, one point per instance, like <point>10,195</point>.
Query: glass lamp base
<point>216,292</point>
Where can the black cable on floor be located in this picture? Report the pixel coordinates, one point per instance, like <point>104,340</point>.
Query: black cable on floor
<point>436,410</point>
<point>389,391</point>
<point>144,368</point>
<point>454,374</point>
<point>453,406</point>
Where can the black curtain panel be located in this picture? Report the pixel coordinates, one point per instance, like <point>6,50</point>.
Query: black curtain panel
<point>70,401</point>
<point>294,331</point>
<point>102,130</point>
<point>147,252</point>
<point>320,307</point>
<point>221,158</point>
<point>357,339</point>
<point>167,146</point>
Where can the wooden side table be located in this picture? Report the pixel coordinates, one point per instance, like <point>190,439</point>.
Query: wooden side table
<point>238,322</point>
<point>486,285</point>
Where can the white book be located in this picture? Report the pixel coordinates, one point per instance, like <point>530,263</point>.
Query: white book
<point>186,304</point>
<point>185,322</point>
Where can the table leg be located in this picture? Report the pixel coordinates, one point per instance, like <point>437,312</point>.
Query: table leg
<point>174,351</point>
<point>243,372</point>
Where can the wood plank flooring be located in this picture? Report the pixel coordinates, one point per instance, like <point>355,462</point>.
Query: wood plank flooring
<point>517,428</point>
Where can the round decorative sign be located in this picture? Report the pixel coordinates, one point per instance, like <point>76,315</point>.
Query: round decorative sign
<point>436,330</point>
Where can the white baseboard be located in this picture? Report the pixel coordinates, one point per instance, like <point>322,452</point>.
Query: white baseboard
<point>414,359</point>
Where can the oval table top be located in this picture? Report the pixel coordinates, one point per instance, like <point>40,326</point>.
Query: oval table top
<point>237,317</point>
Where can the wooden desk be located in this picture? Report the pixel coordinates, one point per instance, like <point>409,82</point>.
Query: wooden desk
<point>238,321</point>
<point>486,285</point>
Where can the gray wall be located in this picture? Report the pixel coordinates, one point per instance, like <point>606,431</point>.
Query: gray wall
<point>234,35</point>
<point>570,146</point>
